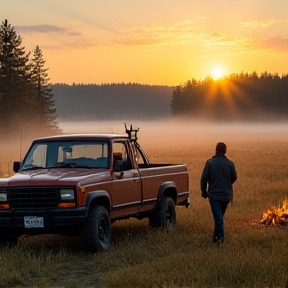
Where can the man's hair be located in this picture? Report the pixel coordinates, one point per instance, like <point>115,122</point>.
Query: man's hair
<point>221,147</point>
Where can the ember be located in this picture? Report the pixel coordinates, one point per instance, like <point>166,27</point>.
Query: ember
<point>276,216</point>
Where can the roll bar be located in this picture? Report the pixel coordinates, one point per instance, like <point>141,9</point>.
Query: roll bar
<point>132,135</point>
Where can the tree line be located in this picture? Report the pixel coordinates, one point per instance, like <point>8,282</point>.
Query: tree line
<point>26,97</point>
<point>115,101</point>
<point>235,97</point>
<point>244,96</point>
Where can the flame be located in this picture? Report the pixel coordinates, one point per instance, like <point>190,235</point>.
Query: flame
<point>276,216</point>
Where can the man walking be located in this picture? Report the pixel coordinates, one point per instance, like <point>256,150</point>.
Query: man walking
<point>219,173</point>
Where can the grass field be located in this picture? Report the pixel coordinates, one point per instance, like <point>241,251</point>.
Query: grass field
<point>254,256</point>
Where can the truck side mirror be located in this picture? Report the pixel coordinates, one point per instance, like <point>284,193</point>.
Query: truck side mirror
<point>16,166</point>
<point>118,169</point>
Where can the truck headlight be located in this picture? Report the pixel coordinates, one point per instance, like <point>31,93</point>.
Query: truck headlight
<point>67,194</point>
<point>3,196</point>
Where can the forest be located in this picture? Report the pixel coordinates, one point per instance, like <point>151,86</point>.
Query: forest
<point>112,101</point>
<point>236,97</point>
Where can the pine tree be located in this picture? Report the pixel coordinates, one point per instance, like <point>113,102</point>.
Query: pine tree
<point>14,79</point>
<point>44,103</point>
<point>26,99</point>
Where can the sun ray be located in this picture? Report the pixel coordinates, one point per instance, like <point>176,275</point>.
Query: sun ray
<point>225,97</point>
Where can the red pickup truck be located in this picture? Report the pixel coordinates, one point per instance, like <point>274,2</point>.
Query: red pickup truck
<point>80,184</point>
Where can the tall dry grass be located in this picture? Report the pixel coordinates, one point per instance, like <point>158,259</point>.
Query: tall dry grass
<point>253,256</point>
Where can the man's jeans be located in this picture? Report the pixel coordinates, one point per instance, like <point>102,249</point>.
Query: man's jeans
<point>218,210</point>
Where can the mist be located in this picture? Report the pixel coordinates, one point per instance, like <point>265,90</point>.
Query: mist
<point>181,132</point>
<point>173,137</point>
<point>169,133</point>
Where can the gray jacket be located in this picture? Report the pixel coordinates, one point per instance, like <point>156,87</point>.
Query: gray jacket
<point>219,173</point>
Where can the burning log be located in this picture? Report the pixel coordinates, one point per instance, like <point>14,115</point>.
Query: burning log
<point>276,216</point>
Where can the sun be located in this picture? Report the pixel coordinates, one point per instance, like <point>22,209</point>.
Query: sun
<point>217,73</point>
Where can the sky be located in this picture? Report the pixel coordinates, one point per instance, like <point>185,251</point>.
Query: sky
<point>155,42</point>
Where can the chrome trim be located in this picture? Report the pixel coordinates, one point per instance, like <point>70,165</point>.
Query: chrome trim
<point>183,193</point>
<point>127,204</point>
<point>167,174</point>
<point>149,200</point>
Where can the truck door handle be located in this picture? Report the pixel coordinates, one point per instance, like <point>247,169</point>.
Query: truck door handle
<point>119,175</point>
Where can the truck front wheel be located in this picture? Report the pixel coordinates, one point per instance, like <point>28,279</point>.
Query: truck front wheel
<point>96,234</point>
<point>164,216</point>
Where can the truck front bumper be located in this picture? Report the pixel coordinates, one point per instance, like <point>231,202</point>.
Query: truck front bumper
<point>52,218</point>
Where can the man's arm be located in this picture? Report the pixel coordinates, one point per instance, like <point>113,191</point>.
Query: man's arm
<point>233,174</point>
<point>203,181</point>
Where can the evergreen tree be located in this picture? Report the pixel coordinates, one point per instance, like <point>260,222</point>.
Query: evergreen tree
<point>238,97</point>
<point>26,99</point>
<point>44,103</point>
<point>14,76</point>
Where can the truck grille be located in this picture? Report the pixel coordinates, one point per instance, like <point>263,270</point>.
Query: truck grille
<point>35,197</point>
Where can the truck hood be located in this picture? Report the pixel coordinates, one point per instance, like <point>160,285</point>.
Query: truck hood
<point>55,177</point>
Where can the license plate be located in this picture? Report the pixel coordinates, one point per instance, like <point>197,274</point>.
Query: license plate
<point>33,222</point>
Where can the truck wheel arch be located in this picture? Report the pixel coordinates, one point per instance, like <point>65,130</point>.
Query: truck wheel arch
<point>167,189</point>
<point>96,198</point>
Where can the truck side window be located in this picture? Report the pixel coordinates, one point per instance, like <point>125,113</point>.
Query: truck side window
<point>121,157</point>
<point>39,156</point>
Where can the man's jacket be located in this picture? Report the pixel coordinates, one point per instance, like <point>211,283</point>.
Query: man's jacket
<point>219,173</point>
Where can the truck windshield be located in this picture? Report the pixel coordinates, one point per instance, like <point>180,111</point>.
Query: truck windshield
<point>67,154</point>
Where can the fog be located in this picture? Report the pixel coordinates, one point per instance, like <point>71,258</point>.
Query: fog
<point>177,135</point>
<point>165,133</point>
<point>181,132</point>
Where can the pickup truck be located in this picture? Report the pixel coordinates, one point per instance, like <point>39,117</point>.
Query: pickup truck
<point>79,184</point>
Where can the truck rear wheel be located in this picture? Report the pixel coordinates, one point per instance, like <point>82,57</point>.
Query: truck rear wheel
<point>96,234</point>
<point>164,216</point>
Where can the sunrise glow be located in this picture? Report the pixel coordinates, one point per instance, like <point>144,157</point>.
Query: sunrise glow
<point>117,43</point>
<point>217,73</point>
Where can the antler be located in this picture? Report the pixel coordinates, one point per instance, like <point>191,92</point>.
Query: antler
<point>130,131</point>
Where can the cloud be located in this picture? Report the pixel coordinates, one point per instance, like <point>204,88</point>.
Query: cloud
<point>273,44</point>
<point>160,34</point>
<point>60,38</point>
<point>222,44</point>
<point>226,45</point>
<point>262,24</point>
<point>40,29</point>
<point>187,32</point>
<point>44,29</point>
<point>221,39</point>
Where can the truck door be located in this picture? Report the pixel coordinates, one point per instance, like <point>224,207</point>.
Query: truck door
<point>126,187</point>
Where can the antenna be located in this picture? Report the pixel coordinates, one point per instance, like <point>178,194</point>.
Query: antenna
<point>21,144</point>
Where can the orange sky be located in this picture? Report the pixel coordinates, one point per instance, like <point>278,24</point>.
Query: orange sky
<point>151,41</point>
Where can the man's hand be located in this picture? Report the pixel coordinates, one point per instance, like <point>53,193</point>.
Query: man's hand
<point>204,194</point>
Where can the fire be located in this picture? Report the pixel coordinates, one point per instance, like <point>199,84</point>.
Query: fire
<point>276,216</point>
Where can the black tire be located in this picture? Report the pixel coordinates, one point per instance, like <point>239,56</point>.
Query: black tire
<point>96,234</point>
<point>164,216</point>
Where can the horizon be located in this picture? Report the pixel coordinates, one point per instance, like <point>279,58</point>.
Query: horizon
<point>216,77</point>
<point>115,42</point>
